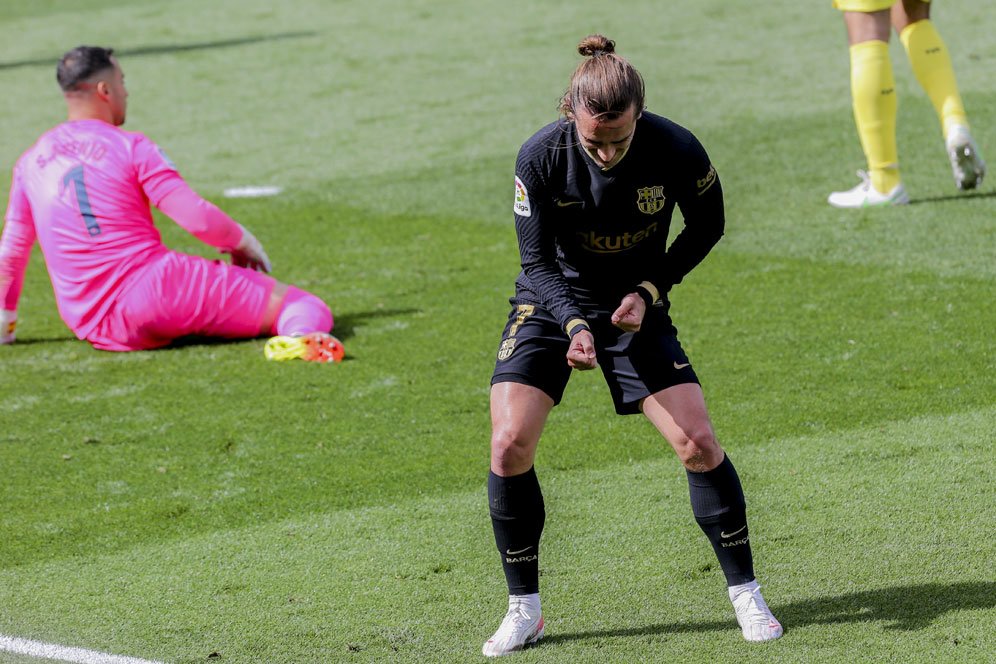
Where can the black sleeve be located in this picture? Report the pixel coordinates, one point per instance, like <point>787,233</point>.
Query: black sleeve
<point>537,245</point>
<point>701,203</point>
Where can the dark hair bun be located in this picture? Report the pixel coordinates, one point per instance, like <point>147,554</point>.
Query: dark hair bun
<point>595,45</point>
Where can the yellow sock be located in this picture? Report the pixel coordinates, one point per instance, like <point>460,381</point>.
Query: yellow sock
<point>932,65</point>
<point>873,96</point>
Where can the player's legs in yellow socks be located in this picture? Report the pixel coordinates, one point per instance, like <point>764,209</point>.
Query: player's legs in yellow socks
<point>873,98</point>
<point>932,66</point>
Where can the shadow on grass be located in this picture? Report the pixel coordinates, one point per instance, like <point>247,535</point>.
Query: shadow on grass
<point>967,196</point>
<point>179,343</point>
<point>165,48</point>
<point>38,341</point>
<point>185,342</point>
<point>901,608</point>
<point>344,329</point>
<point>346,323</point>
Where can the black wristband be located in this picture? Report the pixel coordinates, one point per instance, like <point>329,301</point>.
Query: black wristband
<point>576,325</point>
<point>647,296</point>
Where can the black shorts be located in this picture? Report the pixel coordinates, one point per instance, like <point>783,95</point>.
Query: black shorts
<point>533,351</point>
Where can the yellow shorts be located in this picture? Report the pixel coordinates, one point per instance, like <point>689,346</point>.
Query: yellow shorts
<point>864,5</point>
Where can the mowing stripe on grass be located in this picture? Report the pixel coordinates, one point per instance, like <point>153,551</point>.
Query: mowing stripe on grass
<point>18,646</point>
<point>625,569</point>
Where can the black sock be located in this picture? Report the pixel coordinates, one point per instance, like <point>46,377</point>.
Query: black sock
<point>719,508</point>
<point>517,516</point>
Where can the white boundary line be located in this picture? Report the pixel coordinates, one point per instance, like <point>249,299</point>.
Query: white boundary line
<point>64,653</point>
<point>252,191</point>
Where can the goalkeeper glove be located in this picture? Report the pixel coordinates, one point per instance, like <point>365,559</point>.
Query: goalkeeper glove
<point>249,253</point>
<point>8,321</point>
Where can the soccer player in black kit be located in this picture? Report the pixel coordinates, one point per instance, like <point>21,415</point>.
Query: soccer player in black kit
<point>594,195</point>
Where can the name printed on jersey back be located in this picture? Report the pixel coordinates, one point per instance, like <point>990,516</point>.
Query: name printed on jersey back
<point>88,151</point>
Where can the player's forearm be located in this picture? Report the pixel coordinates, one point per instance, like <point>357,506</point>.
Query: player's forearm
<point>202,219</point>
<point>15,250</point>
<point>705,222</point>
<point>687,251</point>
<point>10,289</point>
<point>549,284</point>
<point>537,253</point>
<point>10,293</point>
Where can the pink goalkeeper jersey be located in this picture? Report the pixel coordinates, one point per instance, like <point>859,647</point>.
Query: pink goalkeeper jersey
<point>83,189</point>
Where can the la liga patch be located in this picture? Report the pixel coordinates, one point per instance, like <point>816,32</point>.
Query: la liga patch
<point>521,205</point>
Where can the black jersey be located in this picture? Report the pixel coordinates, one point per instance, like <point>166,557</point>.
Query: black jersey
<point>589,236</point>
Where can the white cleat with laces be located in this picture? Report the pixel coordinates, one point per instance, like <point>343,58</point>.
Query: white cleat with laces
<point>522,626</point>
<point>967,165</point>
<point>865,195</point>
<point>753,614</point>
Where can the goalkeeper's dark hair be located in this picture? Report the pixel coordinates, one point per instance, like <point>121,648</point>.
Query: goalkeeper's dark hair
<point>81,64</point>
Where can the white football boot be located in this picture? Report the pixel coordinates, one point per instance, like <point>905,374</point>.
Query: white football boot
<point>522,626</point>
<point>967,164</point>
<point>754,616</point>
<point>865,195</point>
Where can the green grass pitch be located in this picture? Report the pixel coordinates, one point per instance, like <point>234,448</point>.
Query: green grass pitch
<point>201,504</point>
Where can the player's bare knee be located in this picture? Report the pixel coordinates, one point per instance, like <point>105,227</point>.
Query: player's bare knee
<point>700,451</point>
<point>698,461</point>
<point>508,438</point>
<point>511,447</point>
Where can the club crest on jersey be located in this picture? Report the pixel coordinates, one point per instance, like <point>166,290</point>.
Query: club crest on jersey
<point>507,346</point>
<point>521,205</point>
<point>650,200</point>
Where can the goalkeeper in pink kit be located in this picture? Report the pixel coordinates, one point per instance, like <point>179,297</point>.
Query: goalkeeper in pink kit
<point>83,191</point>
